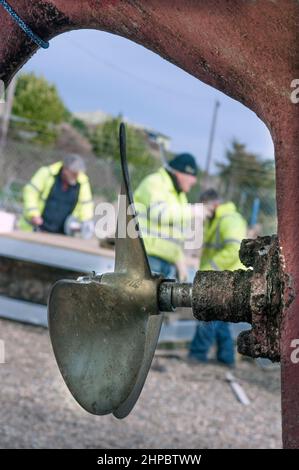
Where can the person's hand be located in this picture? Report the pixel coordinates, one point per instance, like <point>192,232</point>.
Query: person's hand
<point>37,221</point>
<point>201,212</point>
<point>207,211</point>
<point>197,211</point>
<point>182,270</point>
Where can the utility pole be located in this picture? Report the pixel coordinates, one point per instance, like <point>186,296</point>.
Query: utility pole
<point>5,124</point>
<point>211,142</point>
<point>7,114</point>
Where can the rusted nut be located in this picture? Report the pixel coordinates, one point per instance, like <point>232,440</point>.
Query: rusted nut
<point>222,295</point>
<point>250,345</point>
<point>255,253</point>
<point>245,343</point>
<point>266,298</point>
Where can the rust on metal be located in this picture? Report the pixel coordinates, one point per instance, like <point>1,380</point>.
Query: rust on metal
<point>255,295</point>
<point>266,298</point>
<point>44,18</point>
<point>222,296</point>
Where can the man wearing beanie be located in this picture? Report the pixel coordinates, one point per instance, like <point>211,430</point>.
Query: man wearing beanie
<point>163,211</point>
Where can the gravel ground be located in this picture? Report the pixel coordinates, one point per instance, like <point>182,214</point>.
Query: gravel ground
<point>184,407</point>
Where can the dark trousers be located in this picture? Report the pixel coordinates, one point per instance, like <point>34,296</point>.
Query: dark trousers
<point>208,333</point>
<point>160,266</point>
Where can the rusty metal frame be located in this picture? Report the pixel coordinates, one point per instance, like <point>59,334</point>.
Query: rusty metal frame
<point>248,50</point>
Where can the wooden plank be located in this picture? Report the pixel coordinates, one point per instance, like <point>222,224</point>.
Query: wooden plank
<point>32,250</point>
<point>71,243</point>
<point>24,312</point>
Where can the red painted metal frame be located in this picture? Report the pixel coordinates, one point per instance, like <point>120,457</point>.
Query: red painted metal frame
<point>249,49</point>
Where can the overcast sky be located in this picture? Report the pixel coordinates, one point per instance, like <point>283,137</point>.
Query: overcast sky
<point>94,70</point>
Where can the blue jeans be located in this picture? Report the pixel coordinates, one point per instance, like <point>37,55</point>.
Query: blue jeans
<point>206,334</point>
<point>160,266</point>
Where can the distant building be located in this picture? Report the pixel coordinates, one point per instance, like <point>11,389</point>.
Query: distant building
<point>155,138</point>
<point>93,118</point>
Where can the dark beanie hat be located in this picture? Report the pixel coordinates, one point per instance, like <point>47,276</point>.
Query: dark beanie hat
<point>184,163</point>
<point>209,195</point>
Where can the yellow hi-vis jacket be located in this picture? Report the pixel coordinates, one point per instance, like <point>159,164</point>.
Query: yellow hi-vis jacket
<point>222,238</point>
<point>36,192</point>
<point>163,214</point>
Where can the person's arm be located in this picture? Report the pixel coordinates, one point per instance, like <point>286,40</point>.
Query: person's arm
<point>232,232</point>
<point>172,212</point>
<point>32,194</point>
